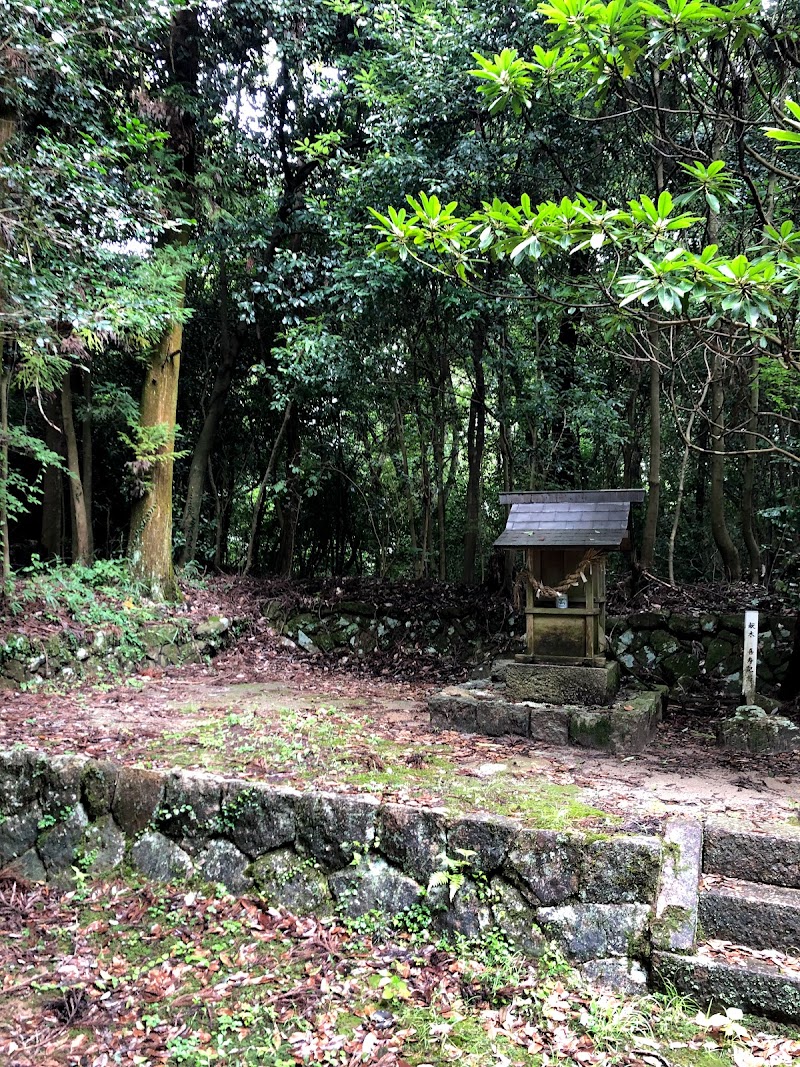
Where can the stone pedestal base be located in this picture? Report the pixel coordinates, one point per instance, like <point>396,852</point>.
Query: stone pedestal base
<point>550,683</point>
<point>624,727</point>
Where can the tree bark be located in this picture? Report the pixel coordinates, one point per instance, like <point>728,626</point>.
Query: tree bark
<point>262,488</point>
<point>87,459</point>
<point>229,345</point>
<point>5,558</point>
<point>52,486</point>
<point>719,527</point>
<point>150,539</point>
<point>654,465</point>
<point>81,550</point>
<point>407,490</point>
<point>748,511</point>
<point>8,129</point>
<point>476,436</point>
<point>150,542</point>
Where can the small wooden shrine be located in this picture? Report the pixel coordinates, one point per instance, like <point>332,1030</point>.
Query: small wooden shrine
<point>565,538</point>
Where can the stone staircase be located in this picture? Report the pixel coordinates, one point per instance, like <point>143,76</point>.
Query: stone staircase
<point>727,926</point>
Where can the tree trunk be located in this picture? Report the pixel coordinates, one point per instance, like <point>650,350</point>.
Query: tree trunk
<point>81,551</point>
<point>150,542</point>
<point>682,484</point>
<point>748,512</point>
<point>790,686</point>
<point>719,527</point>
<point>87,470</point>
<point>150,539</point>
<point>229,345</point>
<point>5,565</point>
<point>8,129</point>
<point>52,486</point>
<point>476,434</point>
<point>258,509</point>
<point>408,492</point>
<point>654,467</point>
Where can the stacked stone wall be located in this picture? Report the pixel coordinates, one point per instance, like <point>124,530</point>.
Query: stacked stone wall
<point>333,853</point>
<point>70,655</point>
<point>682,650</point>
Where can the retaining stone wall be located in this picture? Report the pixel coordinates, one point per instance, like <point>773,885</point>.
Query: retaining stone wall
<point>680,649</point>
<point>592,896</point>
<point>361,628</point>
<point>69,655</point>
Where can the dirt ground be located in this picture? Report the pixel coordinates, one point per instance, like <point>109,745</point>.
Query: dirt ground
<point>188,717</point>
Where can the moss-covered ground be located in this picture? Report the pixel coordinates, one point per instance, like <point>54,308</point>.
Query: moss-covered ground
<point>329,744</point>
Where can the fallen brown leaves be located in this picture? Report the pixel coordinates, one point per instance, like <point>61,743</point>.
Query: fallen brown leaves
<point>142,975</point>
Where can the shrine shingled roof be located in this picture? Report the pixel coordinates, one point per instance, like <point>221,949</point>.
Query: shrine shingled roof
<point>585,519</point>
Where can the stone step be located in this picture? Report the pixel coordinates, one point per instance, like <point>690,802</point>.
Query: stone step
<point>756,986</point>
<point>749,913</point>
<point>772,857</point>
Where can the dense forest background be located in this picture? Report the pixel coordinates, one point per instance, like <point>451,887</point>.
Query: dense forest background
<point>214,353</point>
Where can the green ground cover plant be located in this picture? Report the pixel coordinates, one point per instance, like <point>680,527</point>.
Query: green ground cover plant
<point>133,973</point>
<point>316,746</point>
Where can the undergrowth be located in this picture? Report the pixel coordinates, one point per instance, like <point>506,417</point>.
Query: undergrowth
<point>130,972</point>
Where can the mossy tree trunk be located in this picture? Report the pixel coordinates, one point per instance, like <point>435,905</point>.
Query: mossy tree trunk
<point>81,544</point>
<point>150,542</point>
<point>150,538</point>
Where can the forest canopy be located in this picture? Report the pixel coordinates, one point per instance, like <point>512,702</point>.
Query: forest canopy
<point>300,289</point>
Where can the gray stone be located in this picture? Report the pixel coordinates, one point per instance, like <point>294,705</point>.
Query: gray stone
<point>214,626</point>
<point>680,667</point>
<point>489,837</point>
<point>82,655</point>
<point>595,931</point>
<point>259,818</point>
<point>772,858</point>
<point>545,865</point>
<point>98,782</point>
<point>26,868</point>
<point>664,643</point>
<point>412,839</point>
<point>372,885</point>
<point>626,727</point>
<point>618,975</point>
<point>333,827</point>
<point>759,987</point>
<point>687,626</point>
<point>18,833</point>
<point>57,846</point>
<point>305,642</point>
<point>753,730</point>
<point>59,779</point>
<point>550,726</point>
<point>159,858</point>
<point>516,918</point>
<point>548,683</point>
<point>453,709</point>
<point>103,846</point>
<point>137,796</point>
<point>718,652</point>
<point>284,879</point>
<point>674,925</point>
<point>468,913</point>
<point>19,774</point>
<point>14,669</point>
<point>191,808</point>
<point>746,913</point>
<point>496,718</point>
<point>621,870</point>
<point>223,862</point>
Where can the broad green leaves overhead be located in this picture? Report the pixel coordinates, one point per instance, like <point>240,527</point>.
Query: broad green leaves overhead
<point>648,233</point>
